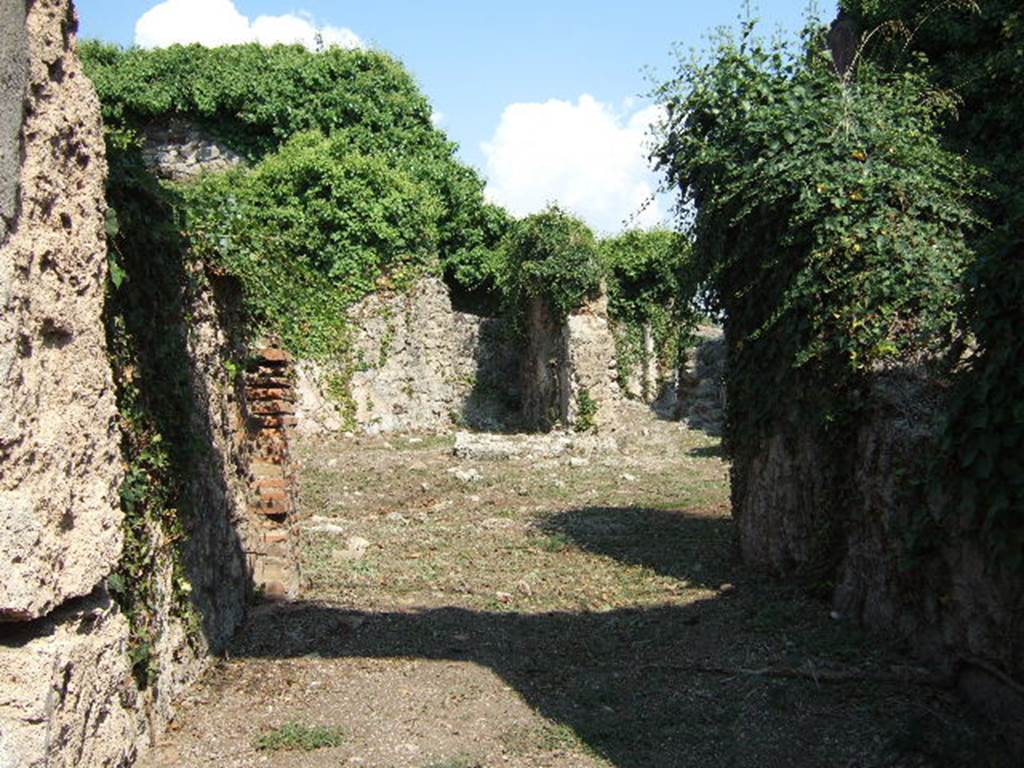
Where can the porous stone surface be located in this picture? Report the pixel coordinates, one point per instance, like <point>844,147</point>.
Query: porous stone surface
<point>419,365</point>
<point>68,698</point>
<point>592,363</point>
<point>180,150</point>
<point>13,81</point>
<point>59,511</point>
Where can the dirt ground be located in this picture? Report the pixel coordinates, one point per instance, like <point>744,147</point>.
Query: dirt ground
<point>582,609</point>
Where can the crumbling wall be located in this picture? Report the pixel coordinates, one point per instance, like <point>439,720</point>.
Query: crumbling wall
<point>180,150</point>
<point>592,364</point>
<point>568,369</point>
<point>646,379</point>
<point>416,365</point>
<point>71,690</point>
<point>855,513</point>
<point>270,537</point>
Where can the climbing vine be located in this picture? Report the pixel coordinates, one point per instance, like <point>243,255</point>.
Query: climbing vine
<point>146,329</point>
<point>976,49</point>
<point>550,255</point>
<point>644,269</point>
<point>309,230</point>
<point>831,224</point>
<point>374,123</point>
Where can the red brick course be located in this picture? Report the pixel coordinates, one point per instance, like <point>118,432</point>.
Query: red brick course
<point>270,397</point>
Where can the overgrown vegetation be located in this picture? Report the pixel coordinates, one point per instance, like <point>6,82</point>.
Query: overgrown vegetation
<point>830,222</point>
<point>552,256</point>
<point>643,271</point>
<point>350,187</point>
<point>849,223</point>
<point>974,49</point>
<point>311,229</point>
<point>145,337</point>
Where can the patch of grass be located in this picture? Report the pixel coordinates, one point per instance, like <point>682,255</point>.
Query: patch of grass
<point>425,442</point>
<point>524,739</point>
<point>460,761</point>
<point>295,736</point>
<point>555,542</point>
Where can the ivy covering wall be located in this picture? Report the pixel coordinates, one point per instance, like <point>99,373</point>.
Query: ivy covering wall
<point>976,51</point>
<point>348,187</point>
<point>850,223</point>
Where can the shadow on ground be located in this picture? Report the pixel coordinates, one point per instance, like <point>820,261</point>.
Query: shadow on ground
<point>674,685</point>
<point>695,549</point>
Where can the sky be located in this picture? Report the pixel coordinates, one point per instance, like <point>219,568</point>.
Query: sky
<point>545,99</point>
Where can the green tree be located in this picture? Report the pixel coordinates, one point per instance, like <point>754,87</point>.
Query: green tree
<point>644,278</point>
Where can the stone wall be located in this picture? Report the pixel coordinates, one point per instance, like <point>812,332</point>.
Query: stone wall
<point>60,530</point>
<point>646,380</point>
<point>847,515</point>
<point>417,365</point>
<point>180,150</point>
<point>13,82</point>
<point>565,363</point>
<point>68,693</point>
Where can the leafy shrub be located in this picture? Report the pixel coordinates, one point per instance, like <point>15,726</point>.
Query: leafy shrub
<point>255,99</point>
<point>830,223</point>
<point>586,413</point>
<point>550,255</point>
<point>310,229</point>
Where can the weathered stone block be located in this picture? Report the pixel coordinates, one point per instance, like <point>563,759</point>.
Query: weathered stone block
<point>60,518</point>
<point>68,697</point>
<point>13,81</point>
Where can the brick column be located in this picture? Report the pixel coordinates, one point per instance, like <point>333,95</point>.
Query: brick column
<point>270,402</point>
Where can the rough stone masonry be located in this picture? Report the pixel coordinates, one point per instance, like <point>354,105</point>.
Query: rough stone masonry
<point>66,695</point>
<point>60,532</point>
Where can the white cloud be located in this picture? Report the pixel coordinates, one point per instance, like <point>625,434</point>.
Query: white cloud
<point>586,156</point>
<point>218,22</point>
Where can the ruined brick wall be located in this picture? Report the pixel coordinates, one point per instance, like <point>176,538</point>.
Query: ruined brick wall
<point>271,539</point>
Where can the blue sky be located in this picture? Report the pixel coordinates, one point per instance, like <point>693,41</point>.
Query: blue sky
<point>507,78</point>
